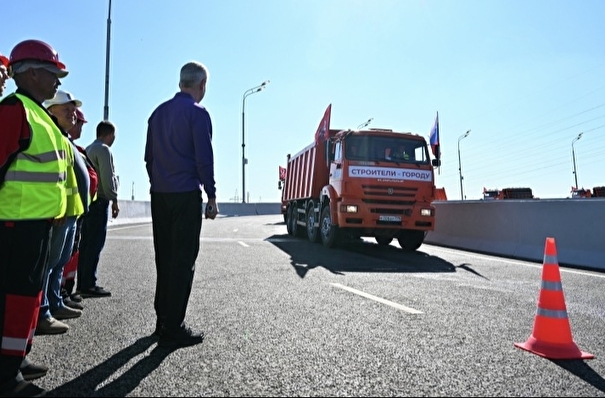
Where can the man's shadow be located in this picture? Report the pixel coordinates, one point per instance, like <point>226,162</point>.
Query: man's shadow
<point>85,384</point>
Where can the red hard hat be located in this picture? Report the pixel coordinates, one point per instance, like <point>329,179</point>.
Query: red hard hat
<point>35,50</point>
<point>3,60</point>
<point>80,116</point>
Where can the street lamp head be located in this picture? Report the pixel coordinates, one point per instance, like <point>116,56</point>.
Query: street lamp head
<point>464,135</point>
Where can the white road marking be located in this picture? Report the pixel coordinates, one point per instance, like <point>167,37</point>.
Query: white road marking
<point>242,243</point>
<point>379,299</point>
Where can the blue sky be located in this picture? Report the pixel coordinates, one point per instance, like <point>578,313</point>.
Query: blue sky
<point>526,77</point>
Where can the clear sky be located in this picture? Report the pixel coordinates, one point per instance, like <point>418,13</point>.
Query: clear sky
<point>526,77</point>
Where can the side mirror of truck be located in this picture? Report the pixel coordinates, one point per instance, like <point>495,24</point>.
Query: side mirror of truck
<point>279,184</point>
<point>436,162</point>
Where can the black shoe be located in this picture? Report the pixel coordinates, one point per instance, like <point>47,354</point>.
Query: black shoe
<point>32,371</point>
<point>183,337</point>
<point>76,297</point>
<point>72,304</point>
<point>23,388</point>
<point>96,291</point>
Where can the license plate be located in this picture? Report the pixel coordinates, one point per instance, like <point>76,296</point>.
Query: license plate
<point>389,218</point>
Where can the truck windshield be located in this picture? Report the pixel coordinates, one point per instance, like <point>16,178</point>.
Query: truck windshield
<point>386,149</point>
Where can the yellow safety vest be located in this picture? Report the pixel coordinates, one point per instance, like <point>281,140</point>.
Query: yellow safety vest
<point>35,183</point>
<point>74,201</point>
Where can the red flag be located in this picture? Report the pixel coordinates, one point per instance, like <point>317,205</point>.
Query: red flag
<point>282,173</point>
<point>323,131</point>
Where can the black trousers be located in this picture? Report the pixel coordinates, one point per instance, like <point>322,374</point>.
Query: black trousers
<point>177,225</point>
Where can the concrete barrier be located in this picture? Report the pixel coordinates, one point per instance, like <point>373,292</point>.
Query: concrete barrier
<point>510,228</point>
<point>133,211</point>
<point>519,228</point>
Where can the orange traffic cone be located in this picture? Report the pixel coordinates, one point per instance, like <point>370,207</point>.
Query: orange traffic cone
<point>551,336</point>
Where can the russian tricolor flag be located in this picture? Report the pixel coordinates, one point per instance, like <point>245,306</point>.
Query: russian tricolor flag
<point>434,137</point>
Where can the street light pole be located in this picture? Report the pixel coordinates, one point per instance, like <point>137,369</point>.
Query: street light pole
<point>106,107</point>
<point>460,163</point>
<point>248,92</point>
<point>573,154</point>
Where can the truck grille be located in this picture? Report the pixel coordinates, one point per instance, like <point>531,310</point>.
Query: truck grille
<point>395,196</point>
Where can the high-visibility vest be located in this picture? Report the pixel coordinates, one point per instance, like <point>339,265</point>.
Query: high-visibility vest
<point>34,187</point>
<point>74,206</point>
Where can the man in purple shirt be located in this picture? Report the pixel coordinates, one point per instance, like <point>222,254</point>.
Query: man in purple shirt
<point>180,161</point>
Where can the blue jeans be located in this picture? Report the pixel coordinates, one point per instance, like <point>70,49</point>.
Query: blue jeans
<point>94,232</point>
<point>61,245</point>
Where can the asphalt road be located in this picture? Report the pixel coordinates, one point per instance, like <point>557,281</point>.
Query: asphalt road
<point>287,317</point>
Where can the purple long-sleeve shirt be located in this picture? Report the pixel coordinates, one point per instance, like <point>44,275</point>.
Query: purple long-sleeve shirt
<point>178,152</point>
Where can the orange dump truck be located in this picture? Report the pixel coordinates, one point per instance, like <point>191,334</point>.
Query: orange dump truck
<point>369,183</point>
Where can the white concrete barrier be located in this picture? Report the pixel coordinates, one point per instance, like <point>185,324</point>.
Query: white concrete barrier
<point>519,228</point>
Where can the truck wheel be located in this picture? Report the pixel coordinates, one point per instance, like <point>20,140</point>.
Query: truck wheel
<point>312,230</point>
<point>328,232</point>
<point>291,220</point>
<point>384,240</point>
<point>410,239</point>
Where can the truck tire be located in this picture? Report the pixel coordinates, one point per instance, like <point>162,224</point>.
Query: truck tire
<point>291,225</point>
<point>383,240</point>
<point>411,239</point>
<point>327,231</point>
<point>312,230</point>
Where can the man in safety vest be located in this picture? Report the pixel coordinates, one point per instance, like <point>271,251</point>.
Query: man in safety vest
<point>68,282</point>
<point>33,181</point>
<point>63,107</point>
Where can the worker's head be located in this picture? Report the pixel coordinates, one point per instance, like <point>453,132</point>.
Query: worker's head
<point>63,106</point>
<point>76,131</point>
<point>106,132</point>
<point>194,76</point>
<point>35,67</point>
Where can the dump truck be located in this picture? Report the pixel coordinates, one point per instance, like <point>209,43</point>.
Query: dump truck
<point>361,183</point>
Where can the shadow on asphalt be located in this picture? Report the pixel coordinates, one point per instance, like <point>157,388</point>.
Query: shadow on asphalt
<point>85,385</point>
<point>356,256</point>
<point>581,369</point>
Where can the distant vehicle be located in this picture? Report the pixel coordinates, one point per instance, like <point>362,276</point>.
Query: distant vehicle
<point>597,192</point>
<point>507,193</point>
<point>580,193</point>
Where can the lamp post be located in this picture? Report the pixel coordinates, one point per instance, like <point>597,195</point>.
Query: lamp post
<point>460,163</point>
<point>573,155</point>
<point>106,107</point>
<point>248,92</point>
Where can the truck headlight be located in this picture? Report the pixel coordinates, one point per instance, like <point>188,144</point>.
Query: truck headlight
<point>426,212</point>
<point>348,208</point>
